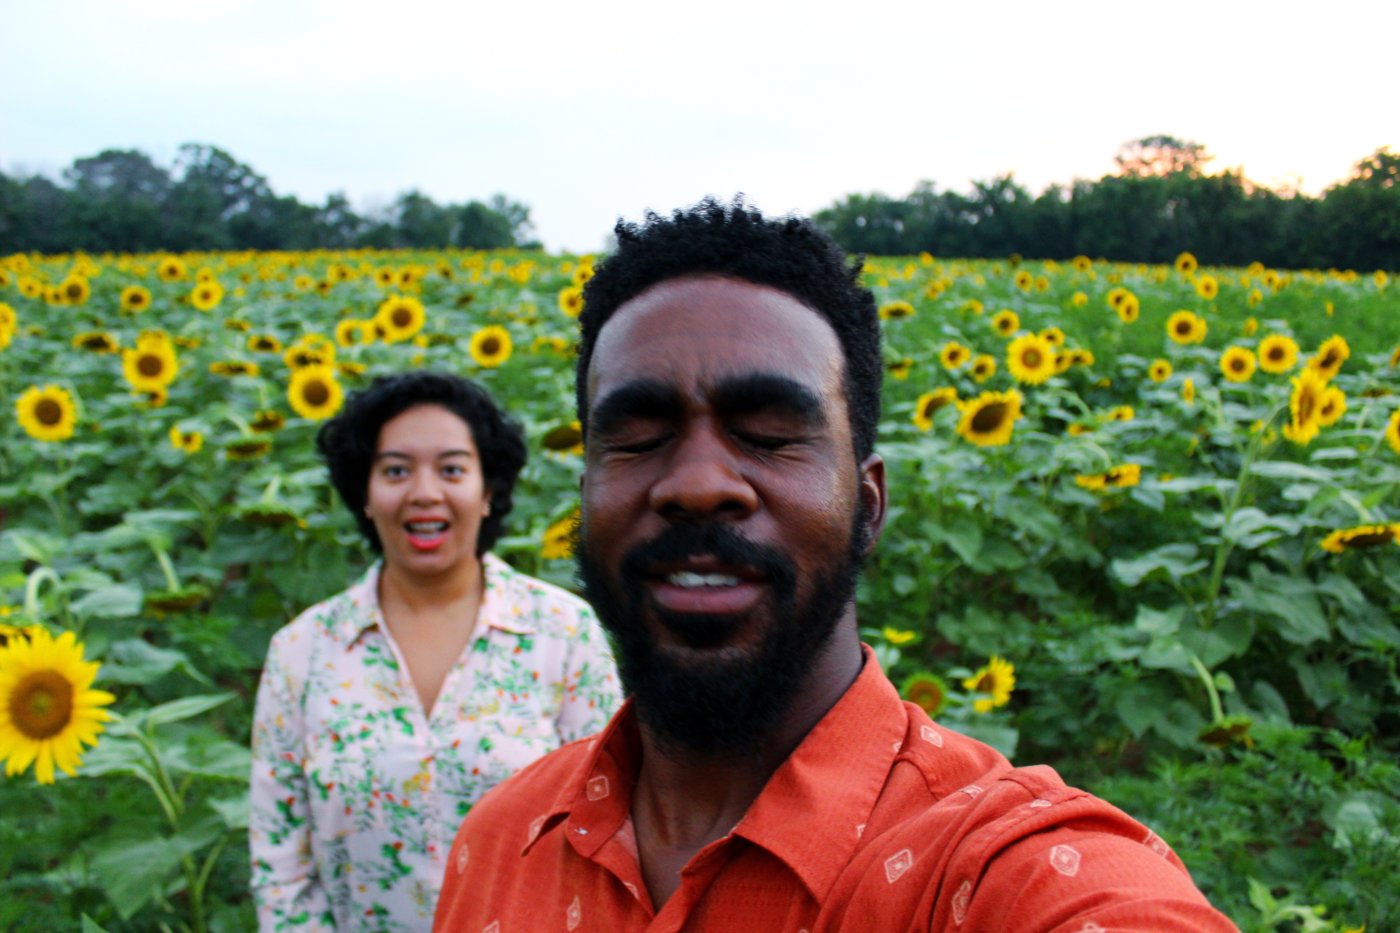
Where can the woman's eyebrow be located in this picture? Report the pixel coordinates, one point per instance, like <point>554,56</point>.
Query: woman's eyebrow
<point>768,391</point>
<point>641,398</point>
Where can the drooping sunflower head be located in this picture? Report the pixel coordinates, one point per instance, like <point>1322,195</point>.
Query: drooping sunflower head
<point>1362,536</point>
<point>988,419</point>
<point>896,310</point>
<point>264,343</point>
<point>929,403</point>
<point>267,420</point>
<point>1304,407</point>
<point>314,392</point>
<point>491,346</point>
<point>47,414</point>
<point>96,341</point>
<point>234,368</point>
<point>1030,359</point>
<point>48,709</point>
<point>566,438</point>
<point>1277,353</point>
<point>899,369</point>
<point>1120,413</point>
<point>188,441</point>
<point>1237,364</point>
<point>247,448</point>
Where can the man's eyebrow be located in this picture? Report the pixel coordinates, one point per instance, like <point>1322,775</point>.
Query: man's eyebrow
<point>768,391</point>
<point>641,398</point>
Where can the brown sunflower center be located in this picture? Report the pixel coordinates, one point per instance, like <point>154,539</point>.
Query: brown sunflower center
<point>1370,539</point>
<point>1306,404</point>
<point>1237,364</point>
<point>48,412</point>
<point>1329,359</point>
<point>74,291</point>
<point>1183,327</point>
<point>490,346</point>
<point>316,393</point>
<point>148,364</point>
<point>402,317</point>
<point>1274,354</point>
<point>42,704</point>
<point>1031,358</point>
<point>989,418</point>
<point>986,684</point>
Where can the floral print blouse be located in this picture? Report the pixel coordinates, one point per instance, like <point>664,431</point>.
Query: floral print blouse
<point>356,794</point>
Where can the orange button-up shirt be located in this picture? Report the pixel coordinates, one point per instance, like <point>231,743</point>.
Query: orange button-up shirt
<point>880,820</point>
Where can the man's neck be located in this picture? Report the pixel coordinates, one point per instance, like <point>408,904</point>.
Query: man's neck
<point>685,800</point>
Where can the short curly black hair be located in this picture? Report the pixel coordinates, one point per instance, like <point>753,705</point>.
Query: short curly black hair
<point>349,440</point>
<point>790,254</point>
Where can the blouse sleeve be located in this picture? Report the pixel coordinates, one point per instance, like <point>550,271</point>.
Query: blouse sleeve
<point>592,689</point>
<point>288,893</point>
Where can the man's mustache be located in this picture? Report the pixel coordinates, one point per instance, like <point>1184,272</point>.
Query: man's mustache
<point>717,540</point>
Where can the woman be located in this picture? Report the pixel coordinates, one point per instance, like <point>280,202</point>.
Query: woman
<point>387,710</point>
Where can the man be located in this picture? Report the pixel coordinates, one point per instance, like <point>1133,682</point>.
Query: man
<point>765,774</point>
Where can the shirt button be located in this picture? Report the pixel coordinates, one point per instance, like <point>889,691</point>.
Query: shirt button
<point>581,831</point>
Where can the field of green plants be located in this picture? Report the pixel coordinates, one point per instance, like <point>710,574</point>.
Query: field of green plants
<point>1145,526</point>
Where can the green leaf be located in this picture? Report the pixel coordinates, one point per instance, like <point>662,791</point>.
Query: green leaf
<point>232,810</point>
<point>1002,738</point>
<point>1140,705</point>
<point>1282,469</point>
<point>135,661</point>
<point>1175,560</point>
<point>131,870</point>
<point>92,926</point>
<point>1250,528</point>
<point>117,601</point>
<point>964,537</point>
<point>177,710</point>
<point>1167,654</point>
<point>1158,621</point>
<point>1291,601</point>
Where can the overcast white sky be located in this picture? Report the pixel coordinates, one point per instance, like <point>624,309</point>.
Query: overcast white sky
<point>591,110</point>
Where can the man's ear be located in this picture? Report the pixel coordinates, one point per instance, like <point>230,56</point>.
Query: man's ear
<point>874,498</point>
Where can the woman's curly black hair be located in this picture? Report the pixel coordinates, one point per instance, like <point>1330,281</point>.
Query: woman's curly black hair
<point>349,440</point>
<point>790,254</point>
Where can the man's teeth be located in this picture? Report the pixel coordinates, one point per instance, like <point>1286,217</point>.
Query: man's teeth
<point>687,579</point>
<point>426,528</point>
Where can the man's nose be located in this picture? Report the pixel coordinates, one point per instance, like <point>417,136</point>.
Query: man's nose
<point>704,479</point>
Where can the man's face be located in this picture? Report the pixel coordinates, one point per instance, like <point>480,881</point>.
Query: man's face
<point>724,515</point>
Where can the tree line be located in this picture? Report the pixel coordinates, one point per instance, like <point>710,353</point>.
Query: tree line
<point>1160,203</point>
<point>121,201</point>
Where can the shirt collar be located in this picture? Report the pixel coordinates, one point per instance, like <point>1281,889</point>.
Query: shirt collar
<point>838,770</point>
<point>501,604</point>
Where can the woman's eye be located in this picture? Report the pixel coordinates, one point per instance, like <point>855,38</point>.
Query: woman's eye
<point>454,470</point>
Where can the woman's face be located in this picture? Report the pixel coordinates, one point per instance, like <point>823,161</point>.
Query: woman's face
<point>427,493</point>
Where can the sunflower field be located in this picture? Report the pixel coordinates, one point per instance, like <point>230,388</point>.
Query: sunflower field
<point>1144,526</point>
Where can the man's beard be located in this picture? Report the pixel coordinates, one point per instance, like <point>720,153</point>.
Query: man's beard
<point>730,704</point>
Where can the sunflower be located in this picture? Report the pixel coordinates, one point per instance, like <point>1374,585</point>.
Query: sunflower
<point>1005,322</point>
<point>1079,429</point>
<point>1053,336</point>
<point>247,448</point>
<point>892,311</point>
<point>96,341</point>
<point>303,283</point>
<point>1031,359</point>
<point>188,441</point>
<point>75,289</point>
<point>1128,309</point>
<point>1207,287</point>
<point>264,343</point>
<point>234,368</point>
<point>1304,405</point>
<point>1183,327</point>
<point>151,366</point>
<point>237,324</point>
<point>925,690</point>
<point>1159,371</point>
<point>1079,299</point>
<point>47,414</point>
<point>929,403</point>
<point>1116,296</point>
<point>564,438</point>
<point>490,346</point>
<point>558,541</point>
<point>953,355</point>
<point>1188,391</point>
<point>8,319</point>
<point>1328,360</point>
<point>310,350</point>
<point>1392,431</point>
<point>1120,413</point>
<point>207,295</point>
<point>996,680</point>
<point>350,332</point>
<point>988,419</point>
<point>972,306</point>
<point>1362,536</point>
<point>1092,481</point>
<point>1395,358</point>
<point>351,369</point>
<point>1124,475</point>
<point>267,420</point>
<point>385,277</point>
<point>1381,278</point>
<point>1237,364</point>
<point>135,298</point>
<point>984,367</point>
<point>314,392</point>
<point>1082,263</point>
<point>1277,353</point>
<point>899,369</point>
<point>1251,326</point>
<point>48,709</point>
<point>1334,405</point>
<point>583,272</point>
<point>400,317</point>
<point>1185,264</point>
<point>171,269</point>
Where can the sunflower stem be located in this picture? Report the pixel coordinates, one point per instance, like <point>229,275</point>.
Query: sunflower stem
<point>1226,546</point>
<point>1215,708</point>
<point>270,493</point>
<point>172,582</point>
<point>31,588</point>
